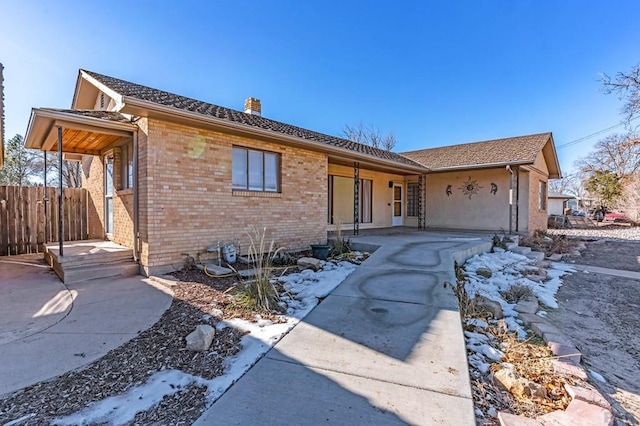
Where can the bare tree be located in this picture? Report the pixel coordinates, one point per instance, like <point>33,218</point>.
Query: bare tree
<point>630,200</point>
<point>618,153</point>
<point>370,136</point>
<point>71,172</point>
<point>627,86</point>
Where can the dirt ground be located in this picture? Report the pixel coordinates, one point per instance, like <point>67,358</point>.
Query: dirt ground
<point>613,255</point>
<point>600,313</point>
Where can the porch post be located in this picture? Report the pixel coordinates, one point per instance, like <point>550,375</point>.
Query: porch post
<point>517,196</point>
<point>356,198</point>
<point>510,199</point>
<point>45,202</point>
<point>135,197</point>
<point>60,196</point>
<point>421,221</point>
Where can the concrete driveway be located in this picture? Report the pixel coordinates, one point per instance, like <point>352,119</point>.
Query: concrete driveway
<point>47,328</point>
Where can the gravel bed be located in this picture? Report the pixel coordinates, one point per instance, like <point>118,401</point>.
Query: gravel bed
<point>160,347</point>
<point>609,233</point>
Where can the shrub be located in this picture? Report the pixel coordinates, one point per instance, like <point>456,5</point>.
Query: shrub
<point>260,293</point>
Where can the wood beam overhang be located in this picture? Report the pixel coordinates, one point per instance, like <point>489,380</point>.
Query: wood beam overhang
<point>81,134</point>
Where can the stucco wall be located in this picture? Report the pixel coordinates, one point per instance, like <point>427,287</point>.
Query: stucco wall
<point>190,203</point>
<point>381,199</point>
<point>461,209</point>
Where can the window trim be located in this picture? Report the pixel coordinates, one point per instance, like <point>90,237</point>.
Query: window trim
<point>542,195</point>
<point>126,167</point>
<point>263,154</point>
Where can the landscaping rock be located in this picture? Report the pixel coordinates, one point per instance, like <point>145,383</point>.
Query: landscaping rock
<point>484,272</point>
<point>215,312</point>
<point>556,257</point>
<point>309,263</point>
<point>527,306</point>
<point>587,393</point>
<point>200,339</point>
<point>589,414</point>
<point>507,419</point>
<point>488,305</point>
<point>519,386</point>
<point>506,378</point>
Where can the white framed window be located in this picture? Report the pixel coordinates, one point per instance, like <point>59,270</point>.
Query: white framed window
<point>255,170</point>
<point>412,199</point>
<point>126,162</point>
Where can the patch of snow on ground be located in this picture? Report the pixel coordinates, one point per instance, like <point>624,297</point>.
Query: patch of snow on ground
<point>121,409</point>
<point>306,287</point>
<point>507,269</point>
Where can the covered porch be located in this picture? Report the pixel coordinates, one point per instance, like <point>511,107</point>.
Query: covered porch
<point>85,136</point>
<point>371,195</point>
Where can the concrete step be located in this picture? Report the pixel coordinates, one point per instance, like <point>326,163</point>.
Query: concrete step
<point>83,273</point>
<point>511,246</point>
<point>88,259</point>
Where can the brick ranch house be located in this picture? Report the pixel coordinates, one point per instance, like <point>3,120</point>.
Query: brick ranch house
<point>167,175</point>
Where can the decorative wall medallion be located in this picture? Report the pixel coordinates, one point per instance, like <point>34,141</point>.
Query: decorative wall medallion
<point>494,188</point>
<point>470,187</point>
<point>449,192</point>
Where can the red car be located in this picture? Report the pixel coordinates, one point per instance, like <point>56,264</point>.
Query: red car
<point>616,217</point>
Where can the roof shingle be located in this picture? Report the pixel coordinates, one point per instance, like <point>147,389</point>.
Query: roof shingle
<point>516,150</point>
<point>161,97</point>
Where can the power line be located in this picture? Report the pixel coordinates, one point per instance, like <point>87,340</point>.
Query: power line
<point>584,138</point>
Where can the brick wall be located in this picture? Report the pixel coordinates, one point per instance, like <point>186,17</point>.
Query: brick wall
<point>188,203</point>
<point>537,217</point>
<point>93,182</point>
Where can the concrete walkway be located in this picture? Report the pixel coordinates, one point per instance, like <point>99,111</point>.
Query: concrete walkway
<point>47,328</point>
<point>606,271</point>
<point>386,347</point>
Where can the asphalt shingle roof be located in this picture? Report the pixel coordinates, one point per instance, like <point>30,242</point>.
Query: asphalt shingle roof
<point>520,149</point>
<point>161,97</point>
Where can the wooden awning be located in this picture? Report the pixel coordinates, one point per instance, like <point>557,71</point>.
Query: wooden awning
<point>83,131</point>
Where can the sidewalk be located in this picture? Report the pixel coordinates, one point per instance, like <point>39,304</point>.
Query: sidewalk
<point>47,328</point>
<point>386,347</point>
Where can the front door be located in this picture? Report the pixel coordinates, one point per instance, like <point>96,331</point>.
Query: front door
<point>108,195</point>
<point>397,205</point>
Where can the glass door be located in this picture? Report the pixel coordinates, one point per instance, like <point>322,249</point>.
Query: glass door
<point>397,205</point>
<point>108,195</point>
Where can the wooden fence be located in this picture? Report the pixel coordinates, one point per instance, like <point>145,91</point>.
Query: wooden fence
<point>22,217</point>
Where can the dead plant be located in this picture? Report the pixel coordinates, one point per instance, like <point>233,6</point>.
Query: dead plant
<point>341,244</point>
<point>516,292</point>
<point>549,244</point>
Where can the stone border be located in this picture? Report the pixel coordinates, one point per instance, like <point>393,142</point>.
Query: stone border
<point>587,406</point>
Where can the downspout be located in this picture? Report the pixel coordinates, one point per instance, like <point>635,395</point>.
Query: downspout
<point>517,198</point>
<point>135,196</point>
<point>510,199</point>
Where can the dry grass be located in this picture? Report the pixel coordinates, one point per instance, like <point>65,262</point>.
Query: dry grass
<point>517,292</point>
<point>548,243</point>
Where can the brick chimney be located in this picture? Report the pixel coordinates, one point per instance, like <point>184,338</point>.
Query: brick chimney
<point>252,106</point>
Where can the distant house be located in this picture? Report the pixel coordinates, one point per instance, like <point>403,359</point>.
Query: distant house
<point>168,175</point>
<point>558,202</point>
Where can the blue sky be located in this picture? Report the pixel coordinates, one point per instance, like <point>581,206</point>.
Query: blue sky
<point>433,73</point>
